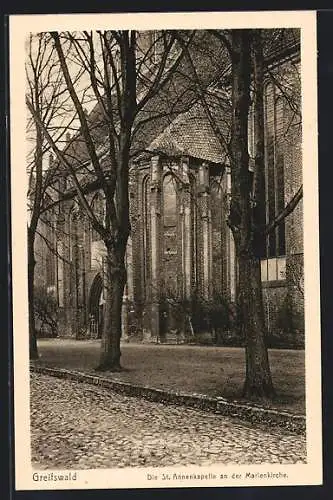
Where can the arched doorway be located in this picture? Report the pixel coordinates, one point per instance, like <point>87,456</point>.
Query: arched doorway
<point>96,305</point>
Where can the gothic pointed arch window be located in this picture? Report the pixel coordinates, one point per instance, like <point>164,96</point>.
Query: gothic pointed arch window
<point>169,201</point>
<point>98,208</point>
<point>73,247</point>
<point>72,233</point>
<point>194,235</point>
<point>170,234</point>
<point>273,264</point>
<point>50,250</point>
<point>145,211</point>
<point>231,263</point>
<point>77,256</point>
<point>217,243</point>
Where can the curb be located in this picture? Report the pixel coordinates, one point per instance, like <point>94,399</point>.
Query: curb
<point>221,406</point>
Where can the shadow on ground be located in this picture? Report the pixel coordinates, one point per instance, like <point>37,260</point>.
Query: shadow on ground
<point>212,371</point>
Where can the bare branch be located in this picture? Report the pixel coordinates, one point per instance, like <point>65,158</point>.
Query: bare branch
<point>63,161</point>
<point>202,95</point>
<point>224,39</point>
<point>51,247</point>
<point>83,120</point>
<point>285,212</point>
<point>159,82</point>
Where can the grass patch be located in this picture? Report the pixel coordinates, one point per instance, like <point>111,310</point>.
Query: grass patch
<point>213,371</point>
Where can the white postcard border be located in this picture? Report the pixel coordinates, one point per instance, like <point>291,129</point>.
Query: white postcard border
<point>298,474</point>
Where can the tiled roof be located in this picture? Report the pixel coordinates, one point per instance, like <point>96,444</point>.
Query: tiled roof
<point>176,97</point>
<point>177,126</point>
<point>191,133</point>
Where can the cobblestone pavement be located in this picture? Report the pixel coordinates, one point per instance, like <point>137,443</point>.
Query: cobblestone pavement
<point>80,426</point>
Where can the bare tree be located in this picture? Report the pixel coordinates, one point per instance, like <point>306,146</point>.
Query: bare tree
<point>247,219</point>
<point>244,76</point>
<point>125,76</point>
<point>243,217</point>
<point>45,92</point>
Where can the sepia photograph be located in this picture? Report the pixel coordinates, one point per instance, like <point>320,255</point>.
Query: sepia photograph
<point>166,314</point>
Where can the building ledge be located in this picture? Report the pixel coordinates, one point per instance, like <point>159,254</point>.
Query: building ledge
<point>274,284</point>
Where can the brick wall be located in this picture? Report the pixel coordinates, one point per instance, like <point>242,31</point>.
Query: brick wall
<point>283,300</point>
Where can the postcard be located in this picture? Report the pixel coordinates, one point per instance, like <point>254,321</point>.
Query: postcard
<point>165,250</point>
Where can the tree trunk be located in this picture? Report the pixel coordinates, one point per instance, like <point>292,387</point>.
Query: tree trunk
<point>114,284</point>
<point>33,350</point>
<point>258,382</point>
<point>258,189</point>
<point>115,275</point>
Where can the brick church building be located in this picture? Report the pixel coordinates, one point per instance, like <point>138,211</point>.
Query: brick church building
<point>181,262</point>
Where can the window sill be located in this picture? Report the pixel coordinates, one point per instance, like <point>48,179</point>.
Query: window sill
<point>274,283</point>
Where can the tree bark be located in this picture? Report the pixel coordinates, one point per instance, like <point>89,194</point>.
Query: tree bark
<point>33,350</point>
<point>114,284</point>
<point>258,381</point>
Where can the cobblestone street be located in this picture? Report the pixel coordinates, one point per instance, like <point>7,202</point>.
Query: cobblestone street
<point>80,426</point>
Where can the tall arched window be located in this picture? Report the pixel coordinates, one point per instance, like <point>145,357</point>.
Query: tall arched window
<point>50,251</point>
<point>194,236</point>
<point>77,257</point>
<point>279,173</point>
<point>272,267</point>
<point>170,234</point>
<point>98,207</point>
<point>169,201</point>
<point>274,166</point>
<point>73,255</point>
<point>72,233</point>
<point>145,210</point>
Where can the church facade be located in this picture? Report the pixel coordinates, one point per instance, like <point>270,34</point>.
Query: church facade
<point>181,262</point>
